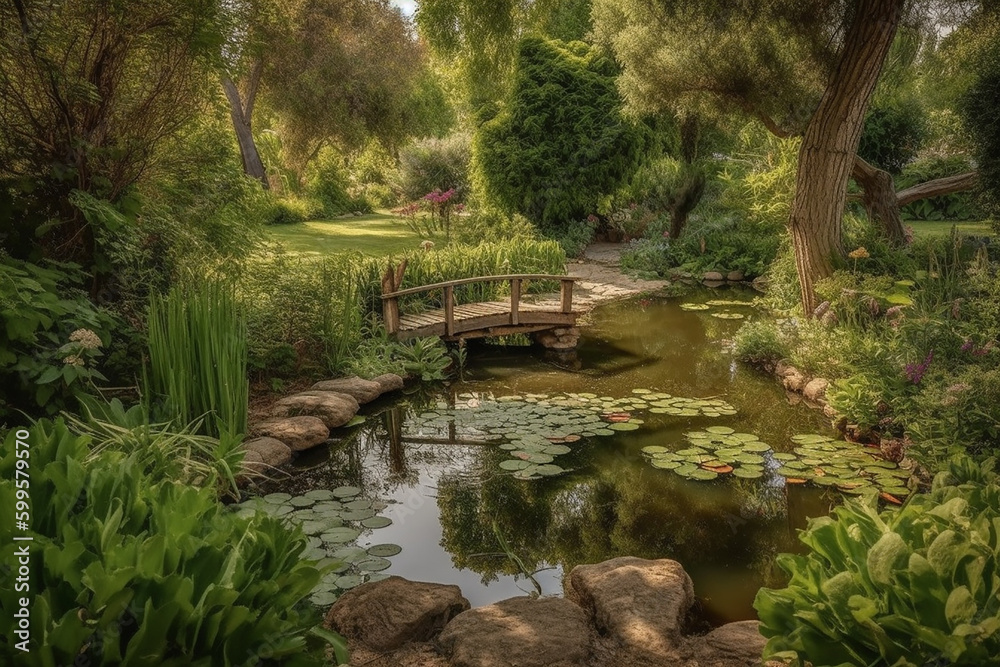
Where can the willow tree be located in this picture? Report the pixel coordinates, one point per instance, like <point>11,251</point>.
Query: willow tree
<point>801,68</point>
<point>329,70</point>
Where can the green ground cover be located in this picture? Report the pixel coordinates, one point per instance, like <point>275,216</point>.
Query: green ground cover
<point>379,233</point>
<point>943,227</point>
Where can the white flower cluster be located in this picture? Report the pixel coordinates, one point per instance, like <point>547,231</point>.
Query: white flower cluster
<point>87,338</point>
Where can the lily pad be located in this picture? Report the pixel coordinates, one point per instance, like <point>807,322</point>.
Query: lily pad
<point>349,581</point>
<point>346,491</point>
<point>357,515</point>
<point>384,550</point>
<point>548,470</point>
<point>360,504</point>
<point>277,498</point>
<point>720,430</point>
<point>514,464</point>
<point>319,494</point>
<point>340,535</point>
<point>694,306</point>
<point>373,564</point>
<point>377,522</point>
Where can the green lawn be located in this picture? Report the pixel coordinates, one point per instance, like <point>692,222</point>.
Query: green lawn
<point>943,227</point>
<point>373,234</point>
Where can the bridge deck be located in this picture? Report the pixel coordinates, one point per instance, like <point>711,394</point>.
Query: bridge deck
<point>473,320</point>
<point>491,318</point>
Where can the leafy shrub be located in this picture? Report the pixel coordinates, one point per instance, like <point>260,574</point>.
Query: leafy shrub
<point>894,131</point>
<point>433,164</point>
<point>760,344</point>
<point>198,357</point>
<point>574,237</point>
<point>292,210</point>
<point>327,181</point>
<point>51,338</point>
<point>561,143</point>
<point>978,110</point>
<point>374,176</point>
<point>134,570</point>
<point>490,225</point>
<point>913,586</point>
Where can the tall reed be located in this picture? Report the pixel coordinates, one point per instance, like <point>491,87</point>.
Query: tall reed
<point>198,357</point>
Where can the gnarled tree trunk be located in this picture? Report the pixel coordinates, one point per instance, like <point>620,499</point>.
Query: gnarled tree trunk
<point>830,143</point>
<point>879,199</point>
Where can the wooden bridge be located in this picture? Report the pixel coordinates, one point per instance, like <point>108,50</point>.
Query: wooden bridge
<point>475,320</point>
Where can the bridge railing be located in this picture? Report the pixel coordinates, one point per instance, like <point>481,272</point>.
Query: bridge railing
<point>394,277</point>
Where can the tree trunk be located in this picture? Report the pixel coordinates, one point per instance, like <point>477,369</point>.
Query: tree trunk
<point>879,199</point>
<point>242,117</point>
<point>831,141</point>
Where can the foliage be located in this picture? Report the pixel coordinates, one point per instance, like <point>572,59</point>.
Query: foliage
<point>139,570</point>
<point>341,72</point>
<point>327,181</point>
<point>759,343</point>
<point>574,237</point>
<point>432,164</point>
<point>198,357</point>
<point>956,206</point>
<point>978,110</point>
<point>913,586</point>
<point>374,175</point>
<point>426,358</point>
<point>487,224</point>
<point>92,89</point>
<point>162,451</point>
<point>560,143</point>
<point>293,210</point>
<point>51,338</point>
<point>893,134</point>
<point>323,309</point>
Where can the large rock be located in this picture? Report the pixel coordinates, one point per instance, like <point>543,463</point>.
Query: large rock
<point>713,276</point>
<point>251,466</point>
<point>273,453</point>
<point>642,603</point>
<point>333,408</point>
<point>386,614</point>
<point>363,391</point>
<point>815,389</point>
<point>299,433</point>
<point>795,381</point>
<point>735,276</point>
<point>519,632</point>
<point>732,645</point>
<point>388,382</point>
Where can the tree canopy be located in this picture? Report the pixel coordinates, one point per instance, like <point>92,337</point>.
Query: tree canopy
<point>560,141</point>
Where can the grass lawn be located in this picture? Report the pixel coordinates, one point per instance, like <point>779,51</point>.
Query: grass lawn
<point>372,234</point>
<point>943,227</point>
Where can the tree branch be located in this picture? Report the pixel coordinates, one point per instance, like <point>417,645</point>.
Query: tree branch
<point>938,187</point>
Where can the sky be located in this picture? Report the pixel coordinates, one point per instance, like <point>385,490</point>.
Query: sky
<point>406,6</point>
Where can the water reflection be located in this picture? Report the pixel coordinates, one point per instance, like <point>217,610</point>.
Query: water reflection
<point>447,491</point>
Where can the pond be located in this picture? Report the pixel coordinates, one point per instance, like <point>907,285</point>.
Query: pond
<point>461,515</point>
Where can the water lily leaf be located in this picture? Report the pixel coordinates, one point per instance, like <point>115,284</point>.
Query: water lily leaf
<point>701,474</point>
<point>725,315</point>
<point>654,449</point>
<point>548,470</point>
<point>340,535</point>
<point>557,450</point>
<point>301,501</point>
<point>719,430</point>
<point>384,550</point>
<point>349,554</point>
<point>323,598</point>
<point>746,473</point>
<point>665,464</point>
<point>277,498</point>
<point>319,494</point>
<point>377,522</point>
<point>694,306</point>
<point>349,581</point>
<point>359,504</point>
<point>346,491</point>
<point>624,426</point>
<point>373,564</point>
<point>514,464</point>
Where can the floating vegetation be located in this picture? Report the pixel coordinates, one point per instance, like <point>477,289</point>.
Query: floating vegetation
<point>536,429</point>
<point>818,460</point>
<point>323,515</point>
<point>719,303</point>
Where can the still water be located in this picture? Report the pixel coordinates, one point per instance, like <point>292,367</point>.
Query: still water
<point>449,499</point>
